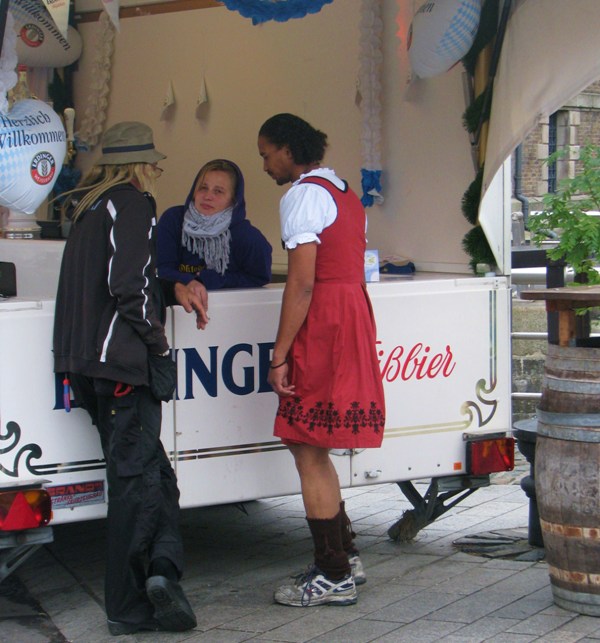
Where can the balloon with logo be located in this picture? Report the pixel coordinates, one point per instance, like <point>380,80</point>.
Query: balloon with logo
<point>33,144</point>
<point>39,42</point>
<point>441,33</point>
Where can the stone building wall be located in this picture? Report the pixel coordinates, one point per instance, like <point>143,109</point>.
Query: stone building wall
<point>528,356</point>
<point>578,123</point>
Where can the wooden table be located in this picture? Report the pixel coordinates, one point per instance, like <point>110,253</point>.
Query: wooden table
<point>565,301</point>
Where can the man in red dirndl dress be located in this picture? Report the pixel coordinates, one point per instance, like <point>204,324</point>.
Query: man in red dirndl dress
<point>324,365</point>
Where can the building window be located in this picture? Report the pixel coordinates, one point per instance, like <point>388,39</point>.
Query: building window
<point>552,138</point>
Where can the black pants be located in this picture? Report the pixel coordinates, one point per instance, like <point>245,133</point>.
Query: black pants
<point>143,498</point>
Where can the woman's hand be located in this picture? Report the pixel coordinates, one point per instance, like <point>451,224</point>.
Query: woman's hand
<point>278,379</point>
<point>199,289</point>
<point>193,298</point>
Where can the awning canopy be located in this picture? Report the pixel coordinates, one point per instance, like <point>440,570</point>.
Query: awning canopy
<point>551,52</point>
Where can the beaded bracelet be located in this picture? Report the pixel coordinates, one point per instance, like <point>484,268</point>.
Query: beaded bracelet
<point>278,365</point>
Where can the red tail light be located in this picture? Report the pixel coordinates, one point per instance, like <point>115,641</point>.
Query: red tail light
<point>491,455</point>
<point>24,509</point>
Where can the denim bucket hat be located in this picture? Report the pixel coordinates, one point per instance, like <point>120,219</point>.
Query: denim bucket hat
<point>128,142</point>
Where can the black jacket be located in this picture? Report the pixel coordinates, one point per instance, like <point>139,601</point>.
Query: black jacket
<point>109,308</point>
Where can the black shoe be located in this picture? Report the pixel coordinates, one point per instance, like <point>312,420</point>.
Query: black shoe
<point>162,566</point>
<point>118,628</point>
<point>172,609</point>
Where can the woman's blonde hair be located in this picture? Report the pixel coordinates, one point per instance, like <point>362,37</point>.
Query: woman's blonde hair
<point>100,179</point>
<point>218,165</point>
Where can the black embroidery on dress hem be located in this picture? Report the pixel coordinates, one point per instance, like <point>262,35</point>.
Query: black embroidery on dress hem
<point>355,418</point>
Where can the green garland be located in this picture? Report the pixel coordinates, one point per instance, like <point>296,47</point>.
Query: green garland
<point>471,199</point>
<point>475,243</point>
<point>477,247</point>
<point>475,113</point>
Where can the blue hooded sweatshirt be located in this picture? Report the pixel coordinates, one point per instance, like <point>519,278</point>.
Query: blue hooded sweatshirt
<point>249,253</point>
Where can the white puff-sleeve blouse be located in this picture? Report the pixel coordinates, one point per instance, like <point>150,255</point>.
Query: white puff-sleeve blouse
<point>307,209</point>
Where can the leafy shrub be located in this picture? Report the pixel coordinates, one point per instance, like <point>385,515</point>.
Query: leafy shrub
<point>566,212</point>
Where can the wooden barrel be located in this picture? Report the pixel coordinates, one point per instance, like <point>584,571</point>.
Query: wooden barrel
<point>567,475</point>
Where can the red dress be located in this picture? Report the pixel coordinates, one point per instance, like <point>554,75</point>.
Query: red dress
<point>333,364</point>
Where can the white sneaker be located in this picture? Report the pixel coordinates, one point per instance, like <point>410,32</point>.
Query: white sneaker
<point>314,589</point>
<point>358,571</point>
<point>356,568</point>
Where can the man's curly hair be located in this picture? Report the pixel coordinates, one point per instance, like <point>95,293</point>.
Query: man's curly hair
<point>306,144</point>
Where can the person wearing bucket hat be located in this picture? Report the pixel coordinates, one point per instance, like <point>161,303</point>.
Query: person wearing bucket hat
<point>129,142</point>
<point>110,344</point>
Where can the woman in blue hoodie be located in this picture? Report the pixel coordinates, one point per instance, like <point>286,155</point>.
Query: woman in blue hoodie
<point>209,238</point>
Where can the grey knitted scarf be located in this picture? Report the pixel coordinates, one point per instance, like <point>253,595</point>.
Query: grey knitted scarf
<point>208,236</point>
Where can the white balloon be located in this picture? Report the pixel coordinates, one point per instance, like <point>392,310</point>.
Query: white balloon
<point>441,33</point>
<point>8,62</point>
<point>39,42</point>
<point>33,144</point>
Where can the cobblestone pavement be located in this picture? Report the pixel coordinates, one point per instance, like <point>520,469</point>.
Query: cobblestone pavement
<point>428,589</point>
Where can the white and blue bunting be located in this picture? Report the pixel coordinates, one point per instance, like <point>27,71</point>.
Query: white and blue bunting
<point>279,10</point>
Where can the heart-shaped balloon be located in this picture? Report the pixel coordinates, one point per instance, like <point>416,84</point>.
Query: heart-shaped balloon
<point>33,144</point>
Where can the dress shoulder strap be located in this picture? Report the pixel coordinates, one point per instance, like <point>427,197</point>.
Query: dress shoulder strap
<point>325,183</point>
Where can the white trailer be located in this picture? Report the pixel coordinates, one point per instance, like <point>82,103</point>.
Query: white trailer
<point>446,376</point>
<point>443,333</point>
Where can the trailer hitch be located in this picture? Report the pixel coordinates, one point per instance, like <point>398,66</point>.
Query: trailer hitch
<point>16,547</point>
<point>433,503</point>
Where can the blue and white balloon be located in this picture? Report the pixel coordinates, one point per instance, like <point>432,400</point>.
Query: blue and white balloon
<point>441,33</point>
<point>33,144</point>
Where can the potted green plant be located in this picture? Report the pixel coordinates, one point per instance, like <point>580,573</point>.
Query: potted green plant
<point>567,211</point>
